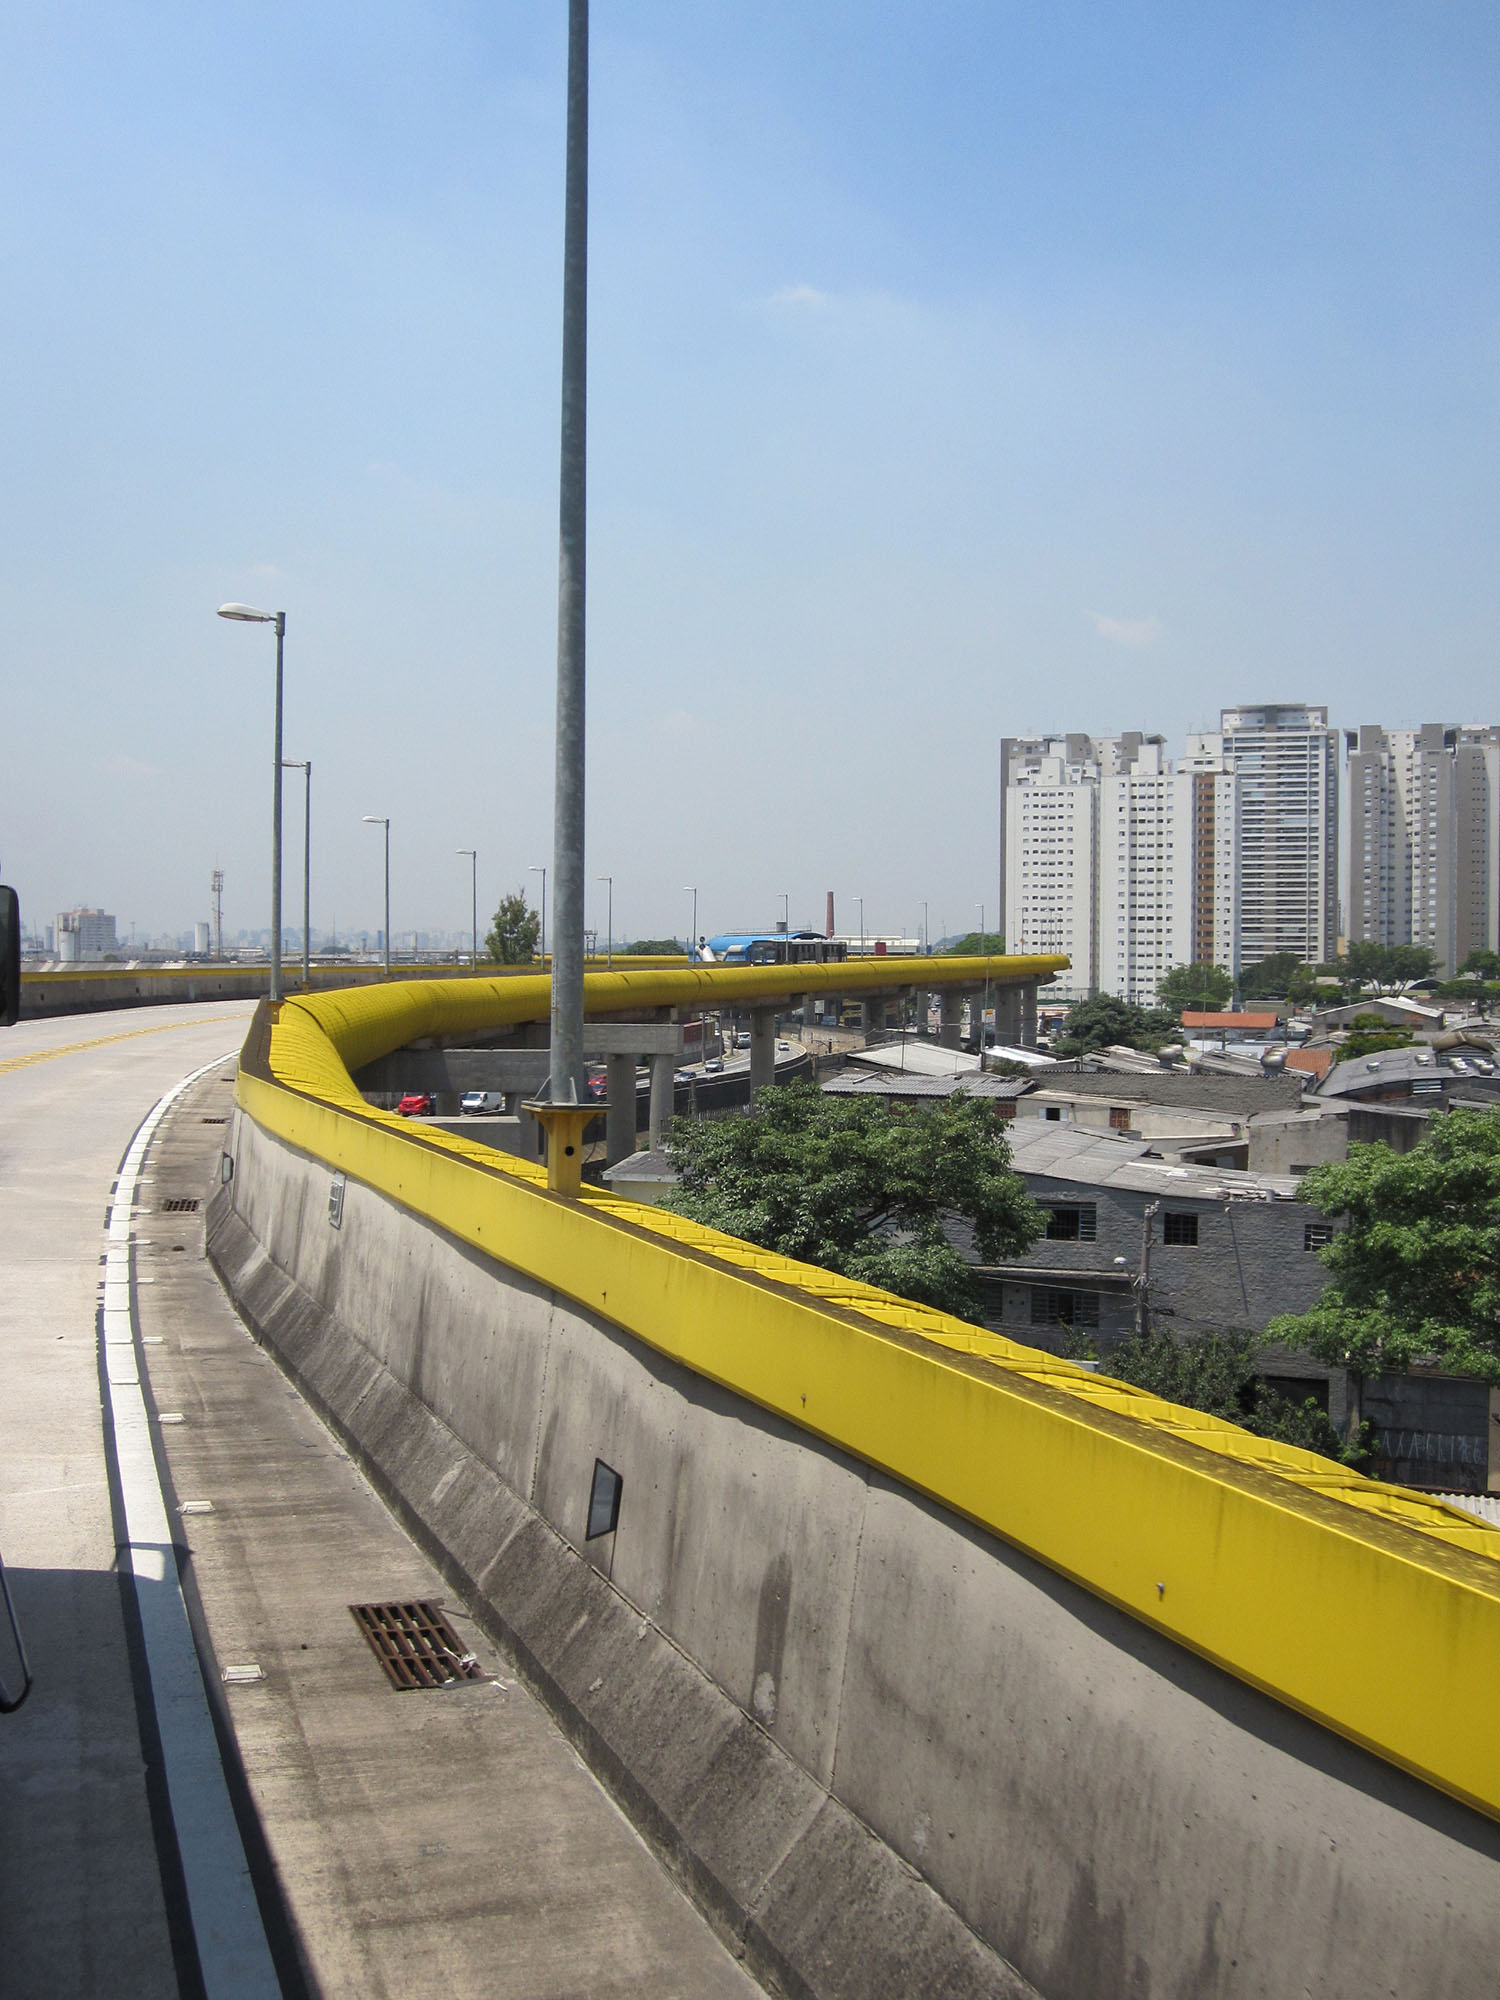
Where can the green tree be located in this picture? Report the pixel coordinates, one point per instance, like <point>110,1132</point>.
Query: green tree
<point>1325,985</point>
<point>1219,1373</point>
<point>1416,1272</point>
<point>653,948</point>
<point>1105,1021</point>
<point>1388,967</point>
<point>1202,988</point>
<point>1369,1034</point>
<point>851,1185</point>
<point>513,935</point>
<point>1478,995</point>
<point>1271,978</point>
<point>1482,964</point>
<point>975,944</point>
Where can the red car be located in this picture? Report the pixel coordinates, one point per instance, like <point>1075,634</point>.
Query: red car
<point>417,1104</point>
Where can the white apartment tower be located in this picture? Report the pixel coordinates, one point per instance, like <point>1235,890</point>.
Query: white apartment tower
<point>1050,853</point>
<point>1284,758</point>
<point>84,935</point>
<point>1116,859</point>
<point>1424,838</point>
<point>1166,870</point>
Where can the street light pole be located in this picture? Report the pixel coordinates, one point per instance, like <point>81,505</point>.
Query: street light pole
<point>861,902</point>
<point>248,615</point>
<point>689,890</point>
<point>786,913</point>
<point>924,928</point>
<point>984,946</point>
<point>374,819</point>
<point>566,1075</point>
<point>536,868</point>
<point>609,949</point>
<point>473,854</point>
<point>305,767</point>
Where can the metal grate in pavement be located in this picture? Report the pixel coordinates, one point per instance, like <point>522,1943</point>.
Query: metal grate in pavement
<point>213,1121</point>
<point>181,1204</point>
<point>416,1645</point>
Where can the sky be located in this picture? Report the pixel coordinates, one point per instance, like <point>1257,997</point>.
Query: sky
<point>957,370</point>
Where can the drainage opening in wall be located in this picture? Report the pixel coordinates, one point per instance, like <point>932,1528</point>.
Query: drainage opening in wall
<point>416,1645</point>
<point>604,1501</point>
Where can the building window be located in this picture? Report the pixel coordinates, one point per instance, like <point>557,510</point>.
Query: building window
<point>1176,1228</point>
<point>1064,1308</point>
<point>1054,1112</point>
<point>1119,1118</point>
<point>1073,1224</point>
<point>1316,1235</point>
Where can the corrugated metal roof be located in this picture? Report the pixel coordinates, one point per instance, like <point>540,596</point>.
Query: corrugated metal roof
<point>891,1083</point>
<point>1067,1153</point>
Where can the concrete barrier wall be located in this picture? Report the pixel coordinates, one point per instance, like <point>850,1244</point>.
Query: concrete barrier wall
<point>887,1751</point>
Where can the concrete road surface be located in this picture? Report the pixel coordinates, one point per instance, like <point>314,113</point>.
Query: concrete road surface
<point>213,1787</point>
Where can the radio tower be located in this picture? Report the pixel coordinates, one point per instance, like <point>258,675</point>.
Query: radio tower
<point>217,885</point>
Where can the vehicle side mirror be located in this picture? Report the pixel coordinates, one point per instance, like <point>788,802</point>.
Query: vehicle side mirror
<point>10,957</point>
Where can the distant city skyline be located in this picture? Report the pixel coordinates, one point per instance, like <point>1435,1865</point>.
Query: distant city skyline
<point>961,373</point>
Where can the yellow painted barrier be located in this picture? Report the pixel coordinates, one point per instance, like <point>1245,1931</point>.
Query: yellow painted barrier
<point>1372,1609</point>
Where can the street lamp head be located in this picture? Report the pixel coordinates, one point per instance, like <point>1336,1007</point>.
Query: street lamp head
<point>374,819</point>
<point>247,614</point>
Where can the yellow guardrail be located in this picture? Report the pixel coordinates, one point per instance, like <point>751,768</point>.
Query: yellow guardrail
<point>1370,1608</point>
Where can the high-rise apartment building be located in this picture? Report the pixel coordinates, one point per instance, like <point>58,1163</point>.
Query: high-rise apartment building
<point>1285,762</point>
<point>1116,858</point>
<point>85,934</point>
<point>1167,893</point>
<point>1424,838</point>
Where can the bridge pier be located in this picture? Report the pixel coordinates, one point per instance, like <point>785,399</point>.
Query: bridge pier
<point>950,1030</point>
<point>762,1049</point>
<point>619,1119</point>
<point>662,1069</point>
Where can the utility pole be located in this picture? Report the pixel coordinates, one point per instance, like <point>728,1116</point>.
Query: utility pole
<point>1143,1276</point>
<point>216,883</point>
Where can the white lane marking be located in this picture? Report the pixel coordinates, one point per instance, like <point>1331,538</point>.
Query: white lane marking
<point>233,1954</point>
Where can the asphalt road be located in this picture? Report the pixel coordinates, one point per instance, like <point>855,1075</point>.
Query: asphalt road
<point>171,1514</point>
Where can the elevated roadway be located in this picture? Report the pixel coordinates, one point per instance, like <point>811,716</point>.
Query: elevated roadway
<point>302,1828</point>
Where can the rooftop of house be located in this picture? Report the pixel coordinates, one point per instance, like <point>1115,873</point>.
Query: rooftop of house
<point>1067,1153</point>
<point>894,1083</point>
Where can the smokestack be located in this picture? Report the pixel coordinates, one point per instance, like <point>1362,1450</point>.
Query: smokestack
<point>828,931</point>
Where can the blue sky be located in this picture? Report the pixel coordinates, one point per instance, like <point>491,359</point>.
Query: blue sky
<point>956,370</point>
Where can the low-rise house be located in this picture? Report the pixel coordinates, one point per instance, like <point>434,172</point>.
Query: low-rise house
<point>1218,1251</point>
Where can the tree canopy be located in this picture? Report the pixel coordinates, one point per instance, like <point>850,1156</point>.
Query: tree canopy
<point>513,934</point>
<point>1386,966</point>
<point>851,1185</point>
<point>1203,988</point>
<point>1270,978</point>
<point>975,944</point>
<point>654,948</point>
<point>1104,1021</point>
<point>1416,1272</point>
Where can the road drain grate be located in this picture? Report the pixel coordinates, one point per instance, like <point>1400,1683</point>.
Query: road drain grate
<point>181,1204</point>
<point>213,1121</point>
<point>416,1645</point>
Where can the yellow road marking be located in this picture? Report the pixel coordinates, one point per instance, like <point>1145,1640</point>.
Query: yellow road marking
<point>100,1042</point>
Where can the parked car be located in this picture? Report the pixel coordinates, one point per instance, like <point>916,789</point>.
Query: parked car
<point>416,1104</point>
<point>478,1102</point>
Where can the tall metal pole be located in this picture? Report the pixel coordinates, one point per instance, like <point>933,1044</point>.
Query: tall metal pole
<point>276,827</point>
<point>387,899</point>
<point>307,880</point>
<point>537,869</point>
<point>610,922</point>
<point>473,857</point>
<point>568,810</point>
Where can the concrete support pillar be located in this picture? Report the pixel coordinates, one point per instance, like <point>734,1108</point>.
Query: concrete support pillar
<point>619,1125</point>
<point>869,1016</point>
<point>1008,1015</point>
<point>662,1069</point>
<point>950,1032</point>
<point>762,1049</point>
<point>1028,1016</point>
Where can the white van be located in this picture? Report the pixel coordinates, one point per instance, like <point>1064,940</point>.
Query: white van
<point>476,1103</point>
